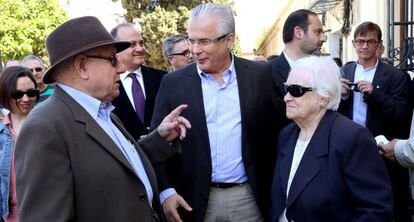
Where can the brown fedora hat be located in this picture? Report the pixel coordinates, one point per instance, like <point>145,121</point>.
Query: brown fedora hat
<point>76,36</point>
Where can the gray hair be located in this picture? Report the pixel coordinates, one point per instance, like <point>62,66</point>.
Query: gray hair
<point>32,57</point>
<point>224,14</point>
<point>169,43</point>
<point>324,77</point>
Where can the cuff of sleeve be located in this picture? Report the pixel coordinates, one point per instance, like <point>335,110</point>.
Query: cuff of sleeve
<point>400,154</point>
<point>166,193</point>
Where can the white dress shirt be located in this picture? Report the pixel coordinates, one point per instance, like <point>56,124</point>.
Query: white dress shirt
<point>359,111</point>
<point>127,83</point>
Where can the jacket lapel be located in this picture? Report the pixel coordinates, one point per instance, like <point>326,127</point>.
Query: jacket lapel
<point>145,162</point>
<point>244,81</point>
<point>92,127</point>
<point>286,156</point>
<point>194,94</point>
<point>309,165</point>
<point>283,68</point>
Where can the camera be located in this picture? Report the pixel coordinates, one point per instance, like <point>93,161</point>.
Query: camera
<point>353,86</point>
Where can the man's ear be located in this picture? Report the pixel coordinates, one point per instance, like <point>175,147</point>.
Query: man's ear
<point>298,32</point>
<point>230,40</point>
<point>169,60</point>
<point>80,66</point>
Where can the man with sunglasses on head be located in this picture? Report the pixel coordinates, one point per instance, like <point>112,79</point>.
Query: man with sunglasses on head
<point>38,68</point>
<point>176,52</point>
<point>375,95</point>
<point>224,171</point>
<point>74,160</point>
<point>135,104</point>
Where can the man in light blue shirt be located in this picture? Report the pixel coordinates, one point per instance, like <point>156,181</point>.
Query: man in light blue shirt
<point>225,169</point>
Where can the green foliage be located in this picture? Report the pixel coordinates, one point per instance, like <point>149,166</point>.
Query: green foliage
<point>169,17</point>
<point>156,27</point>
<point>25,26</point>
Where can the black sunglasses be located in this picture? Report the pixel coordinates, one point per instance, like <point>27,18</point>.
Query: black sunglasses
<point>113,59</point>
<point>296,90</point>
<point>37,69</point>
<point>30,93</point>
<point>183,53</point>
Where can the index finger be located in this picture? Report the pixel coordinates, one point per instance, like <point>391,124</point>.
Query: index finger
<point>177,111</point>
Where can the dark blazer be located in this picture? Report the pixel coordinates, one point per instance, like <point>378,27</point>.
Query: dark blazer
<point>69,169</point>
<point>387,104</point>
<point>261,111</point>
<point>341,176</point>
<point>126,112</point>
<point>280,69</point>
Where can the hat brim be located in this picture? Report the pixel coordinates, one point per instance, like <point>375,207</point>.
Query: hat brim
<point>119,45</point>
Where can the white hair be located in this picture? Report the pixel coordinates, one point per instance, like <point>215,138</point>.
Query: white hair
<point>324,77</point>
<point>224,14</point>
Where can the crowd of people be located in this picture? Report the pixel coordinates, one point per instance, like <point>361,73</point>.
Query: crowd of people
<point>100,136</point>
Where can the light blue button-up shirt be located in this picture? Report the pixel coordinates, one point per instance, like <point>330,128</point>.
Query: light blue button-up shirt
<point>223,117</point>
<point>100,112</point>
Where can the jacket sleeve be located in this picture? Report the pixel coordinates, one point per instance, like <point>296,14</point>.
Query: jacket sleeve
<point>44,193</point>
<point>404,152</point>
<point>366,177</point>
<point>157,149</point>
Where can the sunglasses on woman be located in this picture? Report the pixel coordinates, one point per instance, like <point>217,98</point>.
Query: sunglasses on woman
<point>296,90</point>
<point>30,93</point>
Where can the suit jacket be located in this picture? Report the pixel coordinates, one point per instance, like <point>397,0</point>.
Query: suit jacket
<point>334,181</point>
<point>388,106</point>
<point>261,111</point>
<point>280,69</point>
<point>126,112</point>
<point>69,169</point>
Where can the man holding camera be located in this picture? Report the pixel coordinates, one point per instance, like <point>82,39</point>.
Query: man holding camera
<point>375,95</point>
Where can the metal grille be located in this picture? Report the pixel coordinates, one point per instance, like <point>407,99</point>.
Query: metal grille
<point>401,49</point>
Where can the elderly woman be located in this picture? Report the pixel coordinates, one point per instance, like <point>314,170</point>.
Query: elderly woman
<point>18,94</point>
<point>328,168</point>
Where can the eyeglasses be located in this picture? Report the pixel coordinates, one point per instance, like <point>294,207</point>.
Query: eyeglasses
<point>113,59</point>
<point>183,53</point>
<point>37,69</point>
<point>296,90</point>
<point>204,42</point>
<point>140,43</point>
<point>369,42</point>
<point>30,93</point>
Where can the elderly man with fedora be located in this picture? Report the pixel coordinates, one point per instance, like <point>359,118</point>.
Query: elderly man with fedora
<point>74,159</point>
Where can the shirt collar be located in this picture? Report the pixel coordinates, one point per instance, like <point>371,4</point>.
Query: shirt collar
<point>89,103</point>
<point>125,74</point>
<point>372,67</point>
<point>288,59</point>
<point>227,74</point>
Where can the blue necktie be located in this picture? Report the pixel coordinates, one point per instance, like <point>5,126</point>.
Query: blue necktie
<point>138,95</point>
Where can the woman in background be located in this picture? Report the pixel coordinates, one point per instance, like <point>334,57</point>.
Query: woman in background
<point>18,94</point>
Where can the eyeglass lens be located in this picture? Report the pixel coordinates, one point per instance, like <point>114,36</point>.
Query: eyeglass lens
<point>296,90</point>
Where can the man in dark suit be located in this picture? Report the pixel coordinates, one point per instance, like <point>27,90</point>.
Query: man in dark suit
<point>74,159</point>
<point>302,35</point>
<point>375,95</point>
<point>148,79</point>
<point>234,110</point>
